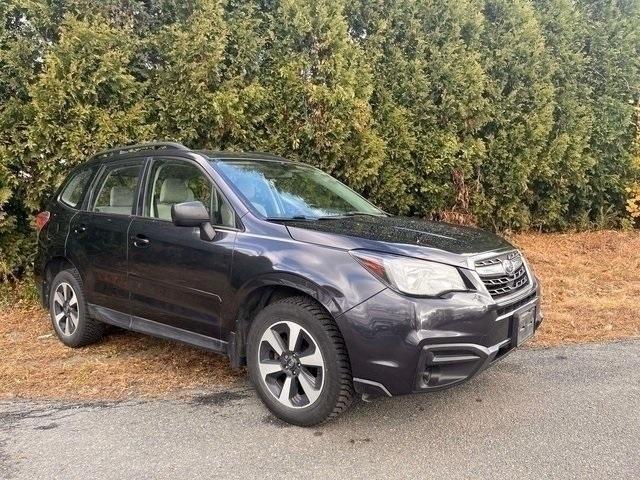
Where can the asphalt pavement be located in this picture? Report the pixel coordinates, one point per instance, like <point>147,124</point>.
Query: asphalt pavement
<point>562,413</point>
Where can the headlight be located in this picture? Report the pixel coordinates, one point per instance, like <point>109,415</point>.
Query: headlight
<point>410,275</point>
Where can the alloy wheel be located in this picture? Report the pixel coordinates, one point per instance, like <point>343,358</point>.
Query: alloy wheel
<point>291,364</point>
<point>65,309</point>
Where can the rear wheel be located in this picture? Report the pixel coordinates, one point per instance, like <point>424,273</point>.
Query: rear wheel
<point>69,313</point>
<point>298,362</point>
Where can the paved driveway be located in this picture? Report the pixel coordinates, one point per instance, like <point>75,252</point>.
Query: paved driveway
<point>561,413</point>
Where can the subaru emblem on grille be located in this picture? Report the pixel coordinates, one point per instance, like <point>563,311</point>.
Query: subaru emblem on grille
<point>509,266</point>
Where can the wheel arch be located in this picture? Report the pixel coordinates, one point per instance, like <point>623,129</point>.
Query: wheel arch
<point>53,266</point>
<point>265,291</point>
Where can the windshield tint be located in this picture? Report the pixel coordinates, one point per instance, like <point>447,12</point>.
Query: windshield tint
<point>282,190</point>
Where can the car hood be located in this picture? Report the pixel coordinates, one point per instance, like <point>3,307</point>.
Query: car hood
<point>398,233</point>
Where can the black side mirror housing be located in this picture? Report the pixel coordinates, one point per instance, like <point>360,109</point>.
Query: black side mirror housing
<point>193,214</point>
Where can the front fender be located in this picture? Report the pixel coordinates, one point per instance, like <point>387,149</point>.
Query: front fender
<point>327,297</point>
<point>329,275</point>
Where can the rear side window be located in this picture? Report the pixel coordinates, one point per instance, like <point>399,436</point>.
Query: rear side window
<point>73,192</point>
<point>116,190</point>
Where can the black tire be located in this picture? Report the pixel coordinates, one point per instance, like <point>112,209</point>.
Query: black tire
<point>337,393</point>
<point>87,330</point>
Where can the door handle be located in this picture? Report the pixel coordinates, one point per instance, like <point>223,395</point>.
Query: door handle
<point>140,241</point>
<point>80,229</point>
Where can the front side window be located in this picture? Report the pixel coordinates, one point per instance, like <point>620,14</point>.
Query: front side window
<point>285,190</point>
<point>175,181</point>
<point>73,191</point>
<point>116,191</point>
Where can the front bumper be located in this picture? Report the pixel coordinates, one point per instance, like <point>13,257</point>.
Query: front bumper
<point>399,345</point>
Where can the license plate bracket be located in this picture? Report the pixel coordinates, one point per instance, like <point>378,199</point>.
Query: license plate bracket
<point>525,325</point>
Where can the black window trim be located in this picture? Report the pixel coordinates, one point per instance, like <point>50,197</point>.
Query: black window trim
<point>147,178</point>
<point>142,160</point>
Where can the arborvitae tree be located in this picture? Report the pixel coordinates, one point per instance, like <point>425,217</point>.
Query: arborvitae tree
<point>613,53</point>
<point>282,77</point>
<point>560,178</point>
<point>319,88</point>
<point>27,30</point>
<point>520,93</point>
<point>633,190</point>
<point>85,98</point>
<point>189,101</point>
<point>208,85</point>
<point>428,100</point>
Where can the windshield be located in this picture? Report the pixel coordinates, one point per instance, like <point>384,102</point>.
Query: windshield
<point>283,190</point>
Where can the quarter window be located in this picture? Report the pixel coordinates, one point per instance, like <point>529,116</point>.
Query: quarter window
<point>173,181</point>
<point>73,191</point>
<point>116,192</point>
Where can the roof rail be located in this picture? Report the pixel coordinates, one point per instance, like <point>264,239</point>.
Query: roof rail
<point>264,154</point>
<point>139,146</point>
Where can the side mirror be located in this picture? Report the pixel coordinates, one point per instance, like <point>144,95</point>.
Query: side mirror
<point>193,214</point>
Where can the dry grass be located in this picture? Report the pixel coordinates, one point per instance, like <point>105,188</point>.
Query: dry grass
<point>591,287</point>
<point>124,364</point>
<point>591,284</point>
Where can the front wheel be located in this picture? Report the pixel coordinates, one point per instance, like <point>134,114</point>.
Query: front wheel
<point>298,362</point>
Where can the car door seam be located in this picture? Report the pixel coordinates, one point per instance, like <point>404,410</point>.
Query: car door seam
<point>66,238</point>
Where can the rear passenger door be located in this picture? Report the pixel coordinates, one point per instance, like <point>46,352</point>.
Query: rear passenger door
<point>69,203</point>
<point>97,242</point>
<point>177,279</point>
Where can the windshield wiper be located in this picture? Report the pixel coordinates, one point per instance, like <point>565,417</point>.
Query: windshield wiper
<point>356,213</point>
<point>352,214</point>
<point>326,217</point>
<point>291,219</point>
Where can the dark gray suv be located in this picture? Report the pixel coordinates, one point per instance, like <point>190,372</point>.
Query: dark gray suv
<point>282,268</point>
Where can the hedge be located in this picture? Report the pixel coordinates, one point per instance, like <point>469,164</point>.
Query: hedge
<point>512,114</point>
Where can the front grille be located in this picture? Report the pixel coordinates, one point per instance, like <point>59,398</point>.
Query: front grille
<point>503,275</point>
<point>507,284</point>
<point>489,261</point>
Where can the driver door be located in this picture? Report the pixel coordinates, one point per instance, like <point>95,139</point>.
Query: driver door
<point>177,280</point>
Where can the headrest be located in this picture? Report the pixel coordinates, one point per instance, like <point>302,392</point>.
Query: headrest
<point>121,196</point>
<point>175,190</point>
